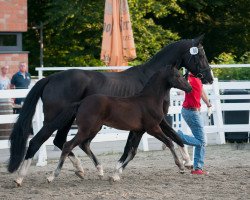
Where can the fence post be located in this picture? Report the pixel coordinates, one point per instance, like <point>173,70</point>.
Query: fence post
<point>42,153</point>
<point>248,123</point>
<point>218,121</point>
<point>40,74</point>
<point>145,142</point>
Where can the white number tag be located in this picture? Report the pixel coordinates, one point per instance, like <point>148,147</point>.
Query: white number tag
<point>193,50</point>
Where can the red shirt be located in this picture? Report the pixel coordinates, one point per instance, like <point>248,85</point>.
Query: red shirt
<point>193,99</point>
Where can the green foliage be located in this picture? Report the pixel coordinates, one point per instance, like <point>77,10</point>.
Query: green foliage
<point>225,23</point>
<point>225,58</point>
<point>74,33</point>
<point>73,30</point>
<point>245,58</point>
<point>230,73</point>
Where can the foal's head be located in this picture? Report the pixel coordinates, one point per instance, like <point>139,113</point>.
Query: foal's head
<point>176,80</point>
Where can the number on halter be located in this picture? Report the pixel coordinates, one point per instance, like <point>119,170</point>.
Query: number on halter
<point>193,50</point>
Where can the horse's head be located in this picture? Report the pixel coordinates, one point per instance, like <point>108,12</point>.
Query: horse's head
<point>176,80</point>
<point>194,59</point>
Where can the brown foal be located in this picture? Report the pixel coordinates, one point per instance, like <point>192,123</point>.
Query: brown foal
<point>142,112</point>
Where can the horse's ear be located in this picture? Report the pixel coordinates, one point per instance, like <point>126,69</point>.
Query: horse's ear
<point>199,39</point>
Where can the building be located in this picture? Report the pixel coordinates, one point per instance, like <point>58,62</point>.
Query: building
<point>13,23</point>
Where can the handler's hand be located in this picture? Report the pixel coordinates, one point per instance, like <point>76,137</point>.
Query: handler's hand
<point>209,111</point>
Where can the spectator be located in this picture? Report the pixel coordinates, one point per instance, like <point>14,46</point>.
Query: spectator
<point>192,116</point>
<point>4,79</point>
<point>20,80</point>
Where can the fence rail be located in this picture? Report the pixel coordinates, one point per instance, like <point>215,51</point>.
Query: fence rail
<point>108,134</point>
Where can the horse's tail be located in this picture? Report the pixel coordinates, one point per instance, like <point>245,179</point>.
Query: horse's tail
<point>22,127</point>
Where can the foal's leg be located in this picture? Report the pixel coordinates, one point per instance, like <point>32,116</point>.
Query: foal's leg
<point>129,153</point>
<point>60,139</point>
<point>34,145</point>
<point>170,132</point>
<point>158,133</point>
<point>85,146</point>
<point>67,148</point>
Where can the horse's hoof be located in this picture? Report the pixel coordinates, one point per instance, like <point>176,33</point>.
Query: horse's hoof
<point>188,164</point>
<point>100,176</point>
<point>189,167</point>
<point>114,178</point>
<point>18,182</point>
<point>100,171</point>
<point>50,179</point>
<point>80,174</point>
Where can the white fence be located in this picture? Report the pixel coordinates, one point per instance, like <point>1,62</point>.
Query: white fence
<point>215,132</point>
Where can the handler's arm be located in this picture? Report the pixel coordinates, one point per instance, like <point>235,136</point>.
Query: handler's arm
<point>205,98</point>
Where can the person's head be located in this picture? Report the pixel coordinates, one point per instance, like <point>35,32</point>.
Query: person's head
<point>22,67</point>
<point>4,69</point>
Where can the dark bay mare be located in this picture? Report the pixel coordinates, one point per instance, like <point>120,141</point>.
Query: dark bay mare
<point>142,112</point>
<point>62,89</point>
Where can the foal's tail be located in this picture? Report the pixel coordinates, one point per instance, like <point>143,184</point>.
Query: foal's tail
<point>22,127</point>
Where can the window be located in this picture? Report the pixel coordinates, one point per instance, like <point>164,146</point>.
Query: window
<point>10,41</point>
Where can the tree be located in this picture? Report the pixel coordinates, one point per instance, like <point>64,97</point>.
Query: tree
<point>36,12</point>
<point>225,23</point>
<point>231,73</point>
<point>72,36</point>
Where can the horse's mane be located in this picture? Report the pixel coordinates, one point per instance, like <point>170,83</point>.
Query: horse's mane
<point>158,58</point>
<point>173,47</point>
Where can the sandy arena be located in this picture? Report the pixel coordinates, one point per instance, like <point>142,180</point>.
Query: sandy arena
<point>151,175</point>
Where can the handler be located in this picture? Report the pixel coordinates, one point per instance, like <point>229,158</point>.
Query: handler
<point>191,114</point>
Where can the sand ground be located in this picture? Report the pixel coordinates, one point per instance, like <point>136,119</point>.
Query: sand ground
<point>151,175</point>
